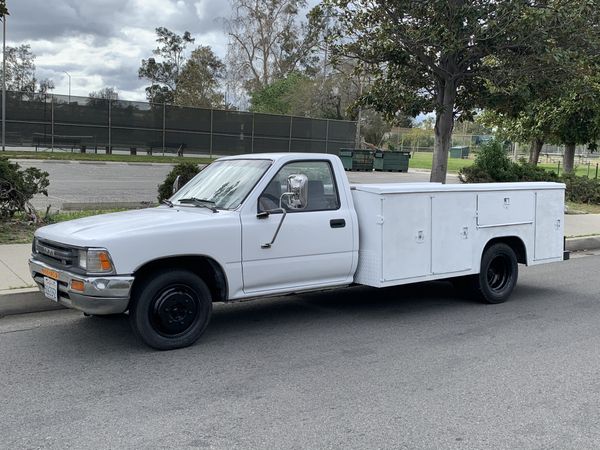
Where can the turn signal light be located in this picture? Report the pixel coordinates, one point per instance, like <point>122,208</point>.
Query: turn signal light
<point>105,261</point>
<point>77,285</point>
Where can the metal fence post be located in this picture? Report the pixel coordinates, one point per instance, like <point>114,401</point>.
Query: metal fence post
<point>252,136</point>
<point>327,137</point>
<point>51,123</point>
<point>290,137</point>
<point>164,130</point>
<point>109,150</point>
<point>210,148</point>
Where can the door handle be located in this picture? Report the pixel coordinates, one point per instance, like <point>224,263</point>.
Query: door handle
<point>337,223</point>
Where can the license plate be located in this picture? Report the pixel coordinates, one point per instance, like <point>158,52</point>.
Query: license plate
<point>51,289</point>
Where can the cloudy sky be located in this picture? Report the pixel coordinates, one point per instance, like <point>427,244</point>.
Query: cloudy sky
<point>101,42</point>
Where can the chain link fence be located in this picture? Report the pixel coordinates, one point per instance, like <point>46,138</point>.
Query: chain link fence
<point>60,122</point>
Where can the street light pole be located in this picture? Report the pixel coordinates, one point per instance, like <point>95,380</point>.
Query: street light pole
<point>69,75</point>
<point>4,83</point>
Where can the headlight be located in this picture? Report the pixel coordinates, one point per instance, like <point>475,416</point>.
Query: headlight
<point>95,260</point>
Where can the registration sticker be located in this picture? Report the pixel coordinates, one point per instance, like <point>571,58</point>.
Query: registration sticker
<point>51,289</point>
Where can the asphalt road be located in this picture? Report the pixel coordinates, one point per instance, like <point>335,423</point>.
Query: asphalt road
<point>409,367</point>
<point>127,182</point>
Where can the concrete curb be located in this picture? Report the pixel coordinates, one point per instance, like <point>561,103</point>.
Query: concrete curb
<point>101,163</point>
<point>578,244</point>
<point>26,301</point>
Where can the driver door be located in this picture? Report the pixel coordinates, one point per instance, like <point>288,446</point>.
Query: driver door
<point>314,247</point>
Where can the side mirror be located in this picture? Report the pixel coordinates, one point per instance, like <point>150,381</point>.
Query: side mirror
<point>297,198</point>
<point>177,184</point>
<point>297,192</point>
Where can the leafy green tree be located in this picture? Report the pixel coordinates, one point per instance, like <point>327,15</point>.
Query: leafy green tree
<point>444,56</point>
<point>198,83</point>
<point>164,74</point>
<point>277,97</point>
<point>574,118</point>
<point>523,127</point>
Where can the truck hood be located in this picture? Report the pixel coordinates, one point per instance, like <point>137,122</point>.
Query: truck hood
<point>102,229</point>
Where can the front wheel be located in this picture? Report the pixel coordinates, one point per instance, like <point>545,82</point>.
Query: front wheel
<point>171,310</point>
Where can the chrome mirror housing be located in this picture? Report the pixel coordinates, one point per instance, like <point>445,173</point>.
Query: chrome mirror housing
<point>297,192</point>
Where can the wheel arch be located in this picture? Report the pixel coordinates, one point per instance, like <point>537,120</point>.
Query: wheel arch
<point>205,267</point>
<point>514,242</point>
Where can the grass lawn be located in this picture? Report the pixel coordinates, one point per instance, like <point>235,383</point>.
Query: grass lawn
<point>68,156</point>
<point>19,231</point>
<point>422,160</point>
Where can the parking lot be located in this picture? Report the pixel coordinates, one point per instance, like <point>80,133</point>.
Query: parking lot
<point>130,182</point>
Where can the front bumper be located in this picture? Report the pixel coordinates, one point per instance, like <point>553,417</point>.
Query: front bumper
<point>101,294</point>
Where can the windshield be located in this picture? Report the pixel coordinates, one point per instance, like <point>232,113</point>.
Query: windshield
<point>224,183</point>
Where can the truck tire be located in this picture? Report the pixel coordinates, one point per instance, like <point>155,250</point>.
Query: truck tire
<point>496,279</point>
<point>171,309</point>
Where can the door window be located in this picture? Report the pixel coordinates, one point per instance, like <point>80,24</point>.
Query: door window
<point>322,191</point>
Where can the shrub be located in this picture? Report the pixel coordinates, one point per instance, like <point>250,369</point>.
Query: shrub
<point>492,164</point>
<point>185,170</point>
<point>17,188</point>
<point>582,189</point>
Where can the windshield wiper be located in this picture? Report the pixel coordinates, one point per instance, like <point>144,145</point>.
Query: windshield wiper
<point>169,203</point>
<point>200,202</point>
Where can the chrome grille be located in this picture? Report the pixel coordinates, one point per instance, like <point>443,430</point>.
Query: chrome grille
<point>63,255</point>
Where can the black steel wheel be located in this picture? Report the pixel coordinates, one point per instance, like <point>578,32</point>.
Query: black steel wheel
<point>171,309</point>
<point>498,275</point>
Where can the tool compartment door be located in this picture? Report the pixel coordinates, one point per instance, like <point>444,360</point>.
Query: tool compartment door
<point>453,217</point>
<point>406,236</point>
<point>549,224</point>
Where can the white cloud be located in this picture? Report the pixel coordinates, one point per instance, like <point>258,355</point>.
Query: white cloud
<point>101,42</point>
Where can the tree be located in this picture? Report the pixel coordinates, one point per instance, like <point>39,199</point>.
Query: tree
<point>20,69</point>
<point>523,127</point>
<point>574,118</point>
<point>3,9</point>
<point>277,97</point>
<point>164,74</point>
<point>443,56</point>
<point>198,83</point>
<point>106,93</point>
<point>267,41</point>
<point>46,86</point>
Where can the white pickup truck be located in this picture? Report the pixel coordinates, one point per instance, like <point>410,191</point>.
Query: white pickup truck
<point>270,224</point>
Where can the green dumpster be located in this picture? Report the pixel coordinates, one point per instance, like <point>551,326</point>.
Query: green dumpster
<point>459,152</point>
<point>391,161</point>
<point>346,157</point>
<point>362,160</point>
